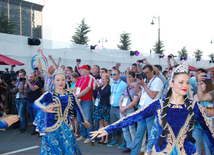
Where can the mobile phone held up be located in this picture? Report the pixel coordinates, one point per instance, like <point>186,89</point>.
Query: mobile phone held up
<point>36,68</point>
<point>78,60</point>
<point>140,61</point>
<point>118,64</point>
<point>207,76</point>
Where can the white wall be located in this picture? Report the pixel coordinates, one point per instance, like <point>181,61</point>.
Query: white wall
<point>16,47</point>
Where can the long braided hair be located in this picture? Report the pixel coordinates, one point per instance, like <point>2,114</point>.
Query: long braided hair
<point>164,116</point>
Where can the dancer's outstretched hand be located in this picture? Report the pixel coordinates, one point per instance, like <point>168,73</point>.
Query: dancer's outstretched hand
<point>10,119</point>
<point>98,134</point>
<point>87,125</point>
<point>50,108</point>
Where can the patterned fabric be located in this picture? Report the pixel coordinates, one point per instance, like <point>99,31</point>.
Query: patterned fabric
<point>203,104</point>
<point>58,137</point>
<point>98,116</point>
<point>47,122</point>
<point>166,87</point>
<point>177,141</point>
<point>153,136</point>
<point>3,125</point>
<point>182,68</point>
<point>60,142</point>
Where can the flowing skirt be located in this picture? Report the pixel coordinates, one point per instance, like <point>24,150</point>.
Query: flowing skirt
<point>60,142</point>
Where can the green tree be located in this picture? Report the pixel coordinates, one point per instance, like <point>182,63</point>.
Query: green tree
<point>183,52</point>
<point>211,56</point>
<point>6,25</point>
<point>198,54</point>
<point>125,41</point>
<point>158,47</point>
<point>80,36</point>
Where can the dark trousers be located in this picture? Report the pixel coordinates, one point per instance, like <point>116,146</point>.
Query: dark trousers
<point>32,112</point>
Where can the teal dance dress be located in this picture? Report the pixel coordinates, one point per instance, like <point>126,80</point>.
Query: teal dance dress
<point>176,142</point>
<point>56,128</point>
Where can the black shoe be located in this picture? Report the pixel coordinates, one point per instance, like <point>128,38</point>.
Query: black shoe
<point>34,132</point>
<point>128,150</point>
<point>22,131</point>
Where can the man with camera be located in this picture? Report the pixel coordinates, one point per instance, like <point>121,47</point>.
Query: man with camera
<point>194,80</point>
<point>170,57</point>
<point>21,100</point>
<point>34,92</point>
<point>151,88</point>
<point>157,70</point>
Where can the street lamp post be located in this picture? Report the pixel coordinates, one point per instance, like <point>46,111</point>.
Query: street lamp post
<point>103,40</point>
<point>158,25</point>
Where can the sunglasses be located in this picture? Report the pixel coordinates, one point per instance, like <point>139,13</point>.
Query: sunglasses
<point>113,74</point>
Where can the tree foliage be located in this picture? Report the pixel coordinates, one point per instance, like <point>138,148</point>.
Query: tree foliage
<point>158,47</point>
<point>6,25</point>
<point>80,36</point>
<point>211,56</point>
<point>183,52</point>
<point>125,41</point>
<point>198,54</point>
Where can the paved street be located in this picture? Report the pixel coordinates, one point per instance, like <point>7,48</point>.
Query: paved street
<point>11,142</point>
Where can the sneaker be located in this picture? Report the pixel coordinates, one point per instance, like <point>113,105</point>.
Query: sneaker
<point>81,138</point>
<point>22,131</point>
<point>123,145</point>
<point>128,150</point>
<point>112,143</point>
<point>87,141</point>
<point>76,135</point>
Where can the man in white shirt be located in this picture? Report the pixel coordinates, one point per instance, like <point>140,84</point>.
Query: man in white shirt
<point>151,88</point>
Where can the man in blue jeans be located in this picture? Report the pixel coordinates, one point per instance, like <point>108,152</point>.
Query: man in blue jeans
<point>151,88</point>
<point>21,100</point>
<point>34,92</point>
<point>127,102</point>
<point>83,91</point>
<point>117,88</point>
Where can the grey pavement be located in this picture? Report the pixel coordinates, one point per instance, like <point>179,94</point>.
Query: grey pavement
<point>11,140</point>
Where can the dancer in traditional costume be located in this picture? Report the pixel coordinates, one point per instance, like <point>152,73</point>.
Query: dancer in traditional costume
<point>54,119</point>
<point>175,115</point>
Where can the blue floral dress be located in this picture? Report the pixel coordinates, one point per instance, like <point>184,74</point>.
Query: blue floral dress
<point>177,141</point>
<point>58,137</point>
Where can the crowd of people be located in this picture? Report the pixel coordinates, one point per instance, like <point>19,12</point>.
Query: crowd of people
<point>100,96</point>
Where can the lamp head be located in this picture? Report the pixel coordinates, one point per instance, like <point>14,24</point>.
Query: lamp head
<point>152,22</point>
<point>95,47</point>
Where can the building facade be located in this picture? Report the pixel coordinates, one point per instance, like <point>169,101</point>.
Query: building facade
<point>27,16</point>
